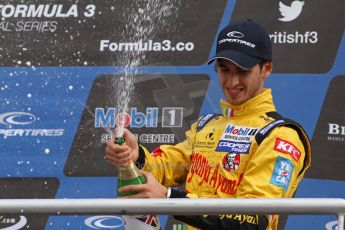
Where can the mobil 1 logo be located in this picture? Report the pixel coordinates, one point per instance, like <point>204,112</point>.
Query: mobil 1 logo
<point>168,117</point>
<point>329,136</point>
<point>236,139</point>
<point>161,109</point>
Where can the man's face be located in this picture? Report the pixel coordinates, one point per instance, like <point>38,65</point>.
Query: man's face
<point>239,85</point>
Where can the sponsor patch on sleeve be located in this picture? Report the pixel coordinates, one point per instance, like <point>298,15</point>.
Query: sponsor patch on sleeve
<point>286,147</point>
<point>282,172</point>
<point>204,120</point>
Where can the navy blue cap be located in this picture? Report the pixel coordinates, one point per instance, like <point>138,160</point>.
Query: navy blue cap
<point>244,43</point>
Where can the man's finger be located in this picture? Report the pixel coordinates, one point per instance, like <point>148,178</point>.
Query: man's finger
<point>138,195</point>
<point>131,188</point>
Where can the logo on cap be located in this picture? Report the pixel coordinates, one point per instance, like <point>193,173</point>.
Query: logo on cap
<point>235,34</point>
<point>244,43</point>
<point>237,40</point>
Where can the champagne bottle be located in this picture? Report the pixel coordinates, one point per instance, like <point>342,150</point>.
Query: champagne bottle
<point>128,175</point>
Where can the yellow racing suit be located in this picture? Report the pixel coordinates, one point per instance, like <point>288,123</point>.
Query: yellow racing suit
<point>247,152</point>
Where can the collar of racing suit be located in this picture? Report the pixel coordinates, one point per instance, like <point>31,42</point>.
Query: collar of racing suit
<point>258,104</point>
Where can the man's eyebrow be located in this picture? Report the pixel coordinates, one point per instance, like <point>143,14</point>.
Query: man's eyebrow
<point>242,70</point>
<point>237,68</point>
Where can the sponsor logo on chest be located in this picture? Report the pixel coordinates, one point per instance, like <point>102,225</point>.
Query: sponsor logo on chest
<point>231,162</point>
<point>212,174</point>
<point>236,139</point>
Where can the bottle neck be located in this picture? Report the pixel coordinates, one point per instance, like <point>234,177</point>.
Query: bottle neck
<point>120,140</point>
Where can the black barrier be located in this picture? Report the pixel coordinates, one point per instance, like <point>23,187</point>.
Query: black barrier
<point>26,188</point>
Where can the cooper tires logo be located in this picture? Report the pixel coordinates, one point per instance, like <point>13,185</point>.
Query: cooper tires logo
<point>17,118</point>
<point>109,222</point>
<point>235,34</point>
<point>22,118</point>
<point>16,226</point>
<point>332,225</point>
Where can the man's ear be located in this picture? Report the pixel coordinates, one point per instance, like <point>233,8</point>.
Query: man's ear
<point>267,69</point>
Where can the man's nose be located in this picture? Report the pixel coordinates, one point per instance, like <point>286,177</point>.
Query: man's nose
<point>232,79</point>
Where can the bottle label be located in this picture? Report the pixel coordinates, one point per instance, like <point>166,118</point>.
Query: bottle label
<point>127,173</point>
<point>137,180</point>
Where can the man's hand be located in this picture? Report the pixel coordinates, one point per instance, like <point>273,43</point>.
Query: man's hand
<point>152,188</point>
<point>122,154</point>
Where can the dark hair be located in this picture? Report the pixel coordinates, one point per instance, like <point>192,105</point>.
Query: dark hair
<point>261,64</point>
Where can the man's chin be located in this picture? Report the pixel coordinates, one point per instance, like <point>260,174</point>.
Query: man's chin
<point>236,101</point>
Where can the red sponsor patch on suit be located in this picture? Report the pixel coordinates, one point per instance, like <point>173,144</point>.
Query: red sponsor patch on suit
<point>157,152</point>
<point>231,162</point>
<point>287,147</point>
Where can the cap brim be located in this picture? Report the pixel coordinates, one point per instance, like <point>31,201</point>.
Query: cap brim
<point>242,60</point>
